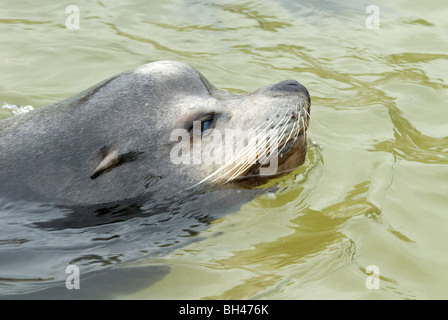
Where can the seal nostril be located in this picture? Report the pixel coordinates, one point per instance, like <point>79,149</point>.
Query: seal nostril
<point>289,86</point>
<point>292,83</point>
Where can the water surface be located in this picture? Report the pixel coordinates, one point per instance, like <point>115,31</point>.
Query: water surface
<point>373,190</point>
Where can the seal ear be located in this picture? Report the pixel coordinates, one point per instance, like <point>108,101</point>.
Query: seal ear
<point>112,160</point>
<point>109,162</point>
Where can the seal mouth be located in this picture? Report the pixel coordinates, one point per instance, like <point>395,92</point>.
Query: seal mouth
<point>285,152</point>
<point>290,144</point>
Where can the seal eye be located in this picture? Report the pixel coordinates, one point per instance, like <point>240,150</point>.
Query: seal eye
<point>205,125</point>
<point>201,124</point>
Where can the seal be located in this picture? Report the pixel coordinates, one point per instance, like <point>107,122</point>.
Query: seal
<point>134,166</point>
<point>117,140</point>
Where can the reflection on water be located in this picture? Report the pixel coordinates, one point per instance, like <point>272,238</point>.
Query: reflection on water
<point>373,189</point>
<point>39,241</point>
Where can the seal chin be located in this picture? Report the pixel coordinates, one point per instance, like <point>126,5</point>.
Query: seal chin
<point>291,144</point>
<point>293,154</point>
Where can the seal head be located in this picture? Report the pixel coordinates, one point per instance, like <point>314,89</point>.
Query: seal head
<point>159,129</point>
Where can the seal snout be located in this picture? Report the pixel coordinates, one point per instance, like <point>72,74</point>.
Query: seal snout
<point>291,86</point>
<point>290,83</point>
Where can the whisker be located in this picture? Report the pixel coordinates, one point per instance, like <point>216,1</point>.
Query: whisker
<point>251,149</point>
<point>242,152</point>
<point>293,128</point>
<point>260,151</point>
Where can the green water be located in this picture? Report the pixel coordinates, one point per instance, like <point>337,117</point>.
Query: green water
<point>374,188</point>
